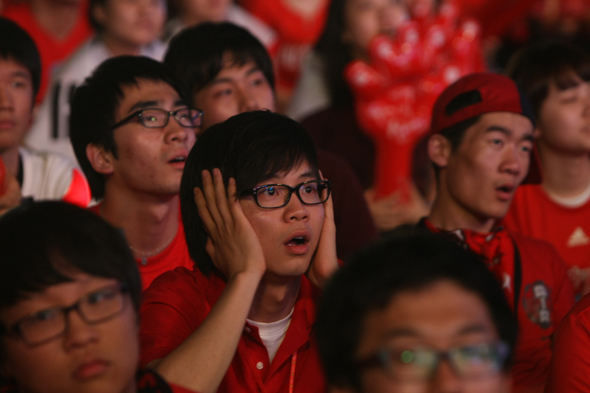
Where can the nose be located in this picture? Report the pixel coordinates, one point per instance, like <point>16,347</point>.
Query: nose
<point>445,379</point>
<point>515,161</point>
<point>248,101</point>
<point>78,333</point>
<point>296,210</point>
<point>175,133</point>
<point>5,97</point>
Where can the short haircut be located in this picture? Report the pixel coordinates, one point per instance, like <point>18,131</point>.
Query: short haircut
<point>17,45</point>
<point>95,102</point>
<point>196,54</point>
<point>410,259</point>
<point>538,64</point>
<point>250,147</point>
<point>43,243</point>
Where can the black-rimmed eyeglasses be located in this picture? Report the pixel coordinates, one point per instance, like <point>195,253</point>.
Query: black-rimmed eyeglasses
<point>158,118</point>
<point>45,325</point>
<point>420,364</point>
<point>271,196</point>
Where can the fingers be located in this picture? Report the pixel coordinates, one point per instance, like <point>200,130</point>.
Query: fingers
<point>216,199</point>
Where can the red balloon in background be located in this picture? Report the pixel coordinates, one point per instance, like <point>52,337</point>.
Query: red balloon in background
<point>394,94</point>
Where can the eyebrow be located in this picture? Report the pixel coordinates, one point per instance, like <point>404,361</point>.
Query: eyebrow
<point>21,74</point>
<point>410,332</point>
<point>270,176</point>
<point>152,104</point>
<point>508,132</point>
<point>251,71</point>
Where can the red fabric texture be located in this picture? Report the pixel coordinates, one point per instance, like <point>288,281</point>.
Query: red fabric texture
<point>79,191</point>
<point>546,295</point>
<point>534,214</point>
<point>51,49</point>
<point>497,249</point>
<point>570,365</point>
<point>179,301</point>
<point>296,35</point>
<point>175,255</point>
<point>395,93</point>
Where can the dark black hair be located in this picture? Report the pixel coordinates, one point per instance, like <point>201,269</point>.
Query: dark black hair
<point>409,259</point>
<point>42,242</point>
<point>196,54</point>
<point>538,64</point>
<point>250,147</point>
<point>17,45</point>
<point>335,54</point>
<point>94,103</point>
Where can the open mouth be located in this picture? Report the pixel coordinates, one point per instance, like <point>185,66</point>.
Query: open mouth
<point>177,159</point>
<point>507,189</point>
<point>297,241</point>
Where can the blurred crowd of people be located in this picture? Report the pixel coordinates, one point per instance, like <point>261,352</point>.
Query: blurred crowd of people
<point>301,195</point>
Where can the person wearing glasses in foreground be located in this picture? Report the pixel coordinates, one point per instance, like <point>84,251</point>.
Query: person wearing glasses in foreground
<point>69,299</point>
<point>260,228</point>
<point>415,313</point>
<point>132,133</point>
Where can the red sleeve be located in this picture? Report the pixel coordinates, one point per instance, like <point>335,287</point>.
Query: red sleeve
<point>570,365</point>
<point>172,308</point>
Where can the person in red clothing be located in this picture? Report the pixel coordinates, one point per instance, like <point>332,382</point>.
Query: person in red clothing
<point>480,144</point>
<point>131,133</point>
<point>227,71</point>
<point>569,365</point>
<point>69,300</point>
<point>242,320</point>
<point>555,77</point>
<point>415,313</point>
<point>58,28</point>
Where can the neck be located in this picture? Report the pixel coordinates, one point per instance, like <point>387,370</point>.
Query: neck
<point>447,215</point>
<point>11,160</point>
<point>58,17</point>
<point>148,222</point>
<point>274,298</point>
<point>118,47</point>
<point>564,175</point>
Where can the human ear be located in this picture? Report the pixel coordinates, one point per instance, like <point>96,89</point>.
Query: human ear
<point>98,13</point>
<point>439,150</point>
<point>101,160</point>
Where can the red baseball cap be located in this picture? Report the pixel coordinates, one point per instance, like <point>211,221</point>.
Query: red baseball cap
<point>479,93</point>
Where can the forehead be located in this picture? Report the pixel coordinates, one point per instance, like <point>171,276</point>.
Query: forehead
<point>11,67</point>
<point>513,124</point>
<point>157,93</point>
<point>438,315</point>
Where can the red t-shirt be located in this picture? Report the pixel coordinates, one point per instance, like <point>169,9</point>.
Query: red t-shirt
<point>570,366</point>
<point>174,255</point>
<point>545,297</point>
<point>534,214</point>
<point>179,301</point>
<point>51,49</point>
<point>296,35</point>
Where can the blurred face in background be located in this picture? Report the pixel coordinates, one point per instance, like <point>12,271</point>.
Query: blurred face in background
<point>365,19</point>
<point>197,11</point>
<point>131,22</point>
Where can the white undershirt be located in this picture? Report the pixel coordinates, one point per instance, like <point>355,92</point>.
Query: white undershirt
<point>571,202</point>
<point>272,334</point>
